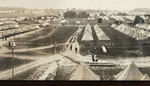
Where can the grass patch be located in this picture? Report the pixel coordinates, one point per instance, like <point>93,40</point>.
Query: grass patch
<point>5,62</point>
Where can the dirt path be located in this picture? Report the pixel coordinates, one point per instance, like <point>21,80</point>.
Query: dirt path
<point>31,49</point>
<point>51,70</point>
<point>53,31</point>
<point>37,48</point>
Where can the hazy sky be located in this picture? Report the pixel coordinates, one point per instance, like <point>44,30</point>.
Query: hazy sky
<point>93,4</point>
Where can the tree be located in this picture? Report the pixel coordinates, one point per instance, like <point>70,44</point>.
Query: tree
<point>83,15</point>
<point>99,20</point>
<point>102,14</point>
<point>138,19</point>
<point>121,14</point>
<point>118,22</point>
<point>70,14</point>
<point>147,18</point>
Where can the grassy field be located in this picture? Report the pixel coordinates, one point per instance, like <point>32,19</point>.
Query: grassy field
<point>61,35</point>
<point>5,62</point>
<point>25,41</point>
<point>34,40</point>
<point>32,74</point>
<point>44,37</point>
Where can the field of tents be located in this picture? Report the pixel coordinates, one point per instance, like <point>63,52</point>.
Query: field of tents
<point>83,42</point>
<point>92,34</point>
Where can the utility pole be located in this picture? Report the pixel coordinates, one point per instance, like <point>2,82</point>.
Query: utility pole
<point>12,62</point>
<point>103,49</point>
<point>12,45</point>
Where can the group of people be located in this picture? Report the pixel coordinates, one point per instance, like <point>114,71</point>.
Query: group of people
<point>76,49</point>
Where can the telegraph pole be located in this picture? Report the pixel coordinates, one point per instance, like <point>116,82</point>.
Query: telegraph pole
<point>12,62</point>
<point>12,45</point>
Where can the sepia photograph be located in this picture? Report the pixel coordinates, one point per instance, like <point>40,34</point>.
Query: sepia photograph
<point>102,40</point>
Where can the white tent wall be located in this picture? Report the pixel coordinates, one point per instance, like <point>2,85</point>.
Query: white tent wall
<point>130,73</point>
<point>83,72</point>
<point>100,34</point>
<point>139,34</point>
<point>87,35</point>
<point>145,77</point>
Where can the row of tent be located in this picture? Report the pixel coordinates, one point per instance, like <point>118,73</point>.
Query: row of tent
<point>87,35</point>
<point>13,19</point>
<point>100,34</point>
<point>118,18</point>
<point>130,17</point>
<point>8,25</point>
<point>131,72</point>
<point>19,30</point>
<point>104,18</point>
<point>143,26</point>
<point>138,34</point>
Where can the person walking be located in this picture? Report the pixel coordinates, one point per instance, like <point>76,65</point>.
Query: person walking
<point>76,49</point>
<point>71,47</point>
<point>93,59</point>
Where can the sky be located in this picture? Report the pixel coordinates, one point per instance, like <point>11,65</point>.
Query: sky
<point>83,4</point>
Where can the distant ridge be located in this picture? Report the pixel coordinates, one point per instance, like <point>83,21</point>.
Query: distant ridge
<point>145,10</point>
<point>11,8</point>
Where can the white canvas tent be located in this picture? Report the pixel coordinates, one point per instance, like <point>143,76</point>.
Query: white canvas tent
<point>145,77</point>
<point>100,34</point>
<point>130,73</point>
<point>138,34</point>
<point>104,49</point>
<point>83,72</point>
<point>87,35</point>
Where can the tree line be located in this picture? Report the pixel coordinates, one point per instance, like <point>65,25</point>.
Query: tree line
<point>73,14</point>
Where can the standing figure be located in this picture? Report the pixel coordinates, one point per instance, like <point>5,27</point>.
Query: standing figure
<point>76,49</point>
<point>71,47</point>
<point>93,59</point>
